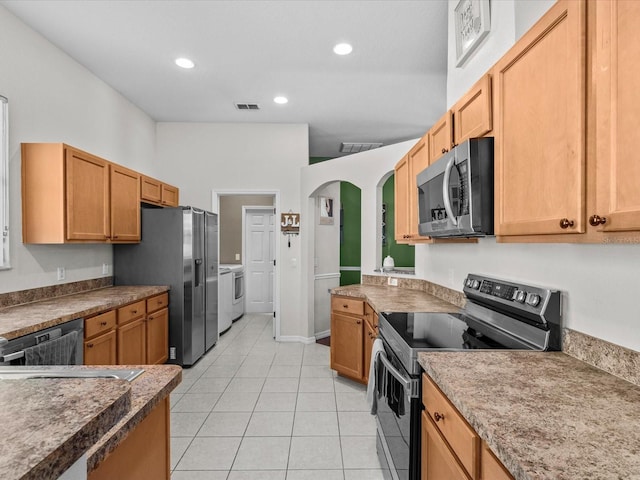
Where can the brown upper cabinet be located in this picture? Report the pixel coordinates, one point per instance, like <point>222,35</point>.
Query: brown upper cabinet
<point>406,192</point>
<point>441,137</point>
<point>472,114</point>
<point>615,204</point>
<point>156,192</point>
<point>470,117</point>
<point>72,196</point>
<point>540,127</point>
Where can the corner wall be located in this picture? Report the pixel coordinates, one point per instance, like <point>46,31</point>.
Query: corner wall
<point>52,98</point>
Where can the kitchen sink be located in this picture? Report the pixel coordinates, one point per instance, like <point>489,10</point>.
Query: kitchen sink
<point>26,373</point>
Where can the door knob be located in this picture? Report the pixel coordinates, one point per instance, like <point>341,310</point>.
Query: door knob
<point>595,220</point>
<point>566,223</point>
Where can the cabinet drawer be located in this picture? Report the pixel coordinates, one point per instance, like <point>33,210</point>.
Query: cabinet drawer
<point>371,316</point>
<point>348,305</point>
<point>158,302</point>
<point>131,312</point>
<point>462,439</point>
<point>100,323</point>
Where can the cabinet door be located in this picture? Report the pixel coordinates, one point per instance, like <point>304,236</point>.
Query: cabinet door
<point>131,343</point>
<point>441,137</point>
<point>101,350</point>
<point>87,196</point>
<point>402,209</point>
<point>157,331</point>
<point>125,205</point>
<point>150,190</point>
<point>418,161</point>
<point>170,195</point>
<point>346,345</point>
<point>617,79</point>
<point>438,463</point>
<point>472,113</point>
<point>540,119</point>
<point>492,468</point>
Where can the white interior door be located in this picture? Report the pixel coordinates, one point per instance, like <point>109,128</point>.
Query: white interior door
<point>259,234</point>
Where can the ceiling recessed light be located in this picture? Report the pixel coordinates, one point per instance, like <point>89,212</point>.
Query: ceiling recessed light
<point>185,63</point>
<point>281,100</point>
<point>342,49</point>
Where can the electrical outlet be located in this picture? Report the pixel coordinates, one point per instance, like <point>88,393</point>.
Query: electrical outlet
<point>392,281</point>
<point>105,269</point>
<point>237,256</point>
<point>61,273</point>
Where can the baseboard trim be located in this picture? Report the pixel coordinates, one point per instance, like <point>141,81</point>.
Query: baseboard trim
<point>297,338</point>
<point>325,334</point>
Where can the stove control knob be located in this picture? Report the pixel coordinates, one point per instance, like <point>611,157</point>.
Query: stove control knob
<point>468,282</point>
<point>520,296</point>
<point>475,284</point>
<point>533,299</point>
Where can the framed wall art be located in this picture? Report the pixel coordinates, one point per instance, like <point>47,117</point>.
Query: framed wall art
<point>326,210</point>
<point>472,24</point>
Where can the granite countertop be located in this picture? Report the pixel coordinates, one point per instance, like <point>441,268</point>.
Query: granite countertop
<point>30,317</point>
<point>149,389</point>
<point>545,415</point>
<point>394,299</point>
<point>47,424</point>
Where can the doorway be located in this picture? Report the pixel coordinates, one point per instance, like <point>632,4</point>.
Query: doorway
<point>259,258</point>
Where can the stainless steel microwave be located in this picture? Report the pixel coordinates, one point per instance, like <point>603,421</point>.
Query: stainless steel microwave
<point>455,194</point>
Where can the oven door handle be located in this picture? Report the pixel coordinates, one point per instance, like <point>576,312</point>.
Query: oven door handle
<point>411,386</point>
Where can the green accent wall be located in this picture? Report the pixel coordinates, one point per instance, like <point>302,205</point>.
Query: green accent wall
<point>403,255</point>
<point>350,232</point>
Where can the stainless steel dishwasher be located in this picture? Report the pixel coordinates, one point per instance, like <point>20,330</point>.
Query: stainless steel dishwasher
<point>59,345</point>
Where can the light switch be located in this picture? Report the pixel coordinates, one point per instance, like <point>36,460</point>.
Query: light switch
<point>294,262</point>
<point>237,256</point>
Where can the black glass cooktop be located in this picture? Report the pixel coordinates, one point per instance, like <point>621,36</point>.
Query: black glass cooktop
<point>454,331</point>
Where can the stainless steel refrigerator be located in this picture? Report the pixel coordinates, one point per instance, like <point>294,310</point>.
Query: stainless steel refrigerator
<point>179,248</point>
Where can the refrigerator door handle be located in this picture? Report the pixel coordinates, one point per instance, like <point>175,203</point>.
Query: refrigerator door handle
<point>197,282</point>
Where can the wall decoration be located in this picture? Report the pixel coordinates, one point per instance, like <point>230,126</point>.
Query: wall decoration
<point>326,210</point>
<point>472,24</point>
<point>290,225</point>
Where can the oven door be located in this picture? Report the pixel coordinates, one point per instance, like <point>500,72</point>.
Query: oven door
<point>398,441</point>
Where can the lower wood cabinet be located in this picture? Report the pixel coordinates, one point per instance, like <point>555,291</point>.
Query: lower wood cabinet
<point>144,453</point>
<point>134,334</point>
<point>353,330</point>
<point>451,449</point>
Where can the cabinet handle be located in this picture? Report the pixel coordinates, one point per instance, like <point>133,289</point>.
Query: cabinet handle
<point>358,322</point>
<point>345,306</point>
<point>566,223</point>
<point>89,345</point>
<point>103,324</point>
<point>438,416</point>
<point>115,236</point>
<point>134,311</point>
<point>595,220</point>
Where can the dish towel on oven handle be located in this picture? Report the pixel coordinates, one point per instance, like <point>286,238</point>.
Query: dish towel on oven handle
<point>372,390</point>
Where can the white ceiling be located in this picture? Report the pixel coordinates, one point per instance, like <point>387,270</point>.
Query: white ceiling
<point>391,88</point>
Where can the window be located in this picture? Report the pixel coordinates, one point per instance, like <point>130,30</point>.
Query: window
<point>4,182</point>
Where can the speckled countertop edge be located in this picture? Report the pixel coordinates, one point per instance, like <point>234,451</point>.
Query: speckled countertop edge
<point>393,299</point>
<point>48,424</point>
<point>147,391</point>
<point>28,318</point>
<point>526,405</point>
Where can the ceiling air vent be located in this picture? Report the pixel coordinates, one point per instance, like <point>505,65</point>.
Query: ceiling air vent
<point>358,147</point>
<point>247,106</point>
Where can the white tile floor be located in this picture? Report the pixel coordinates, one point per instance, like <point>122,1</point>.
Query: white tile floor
<point>255,409</point>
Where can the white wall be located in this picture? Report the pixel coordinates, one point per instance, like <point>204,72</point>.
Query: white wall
<point>367,171</point>
<point>599,281</point>
<point>326,260</point>
<point>52,98</point>
<point>202,158</point>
